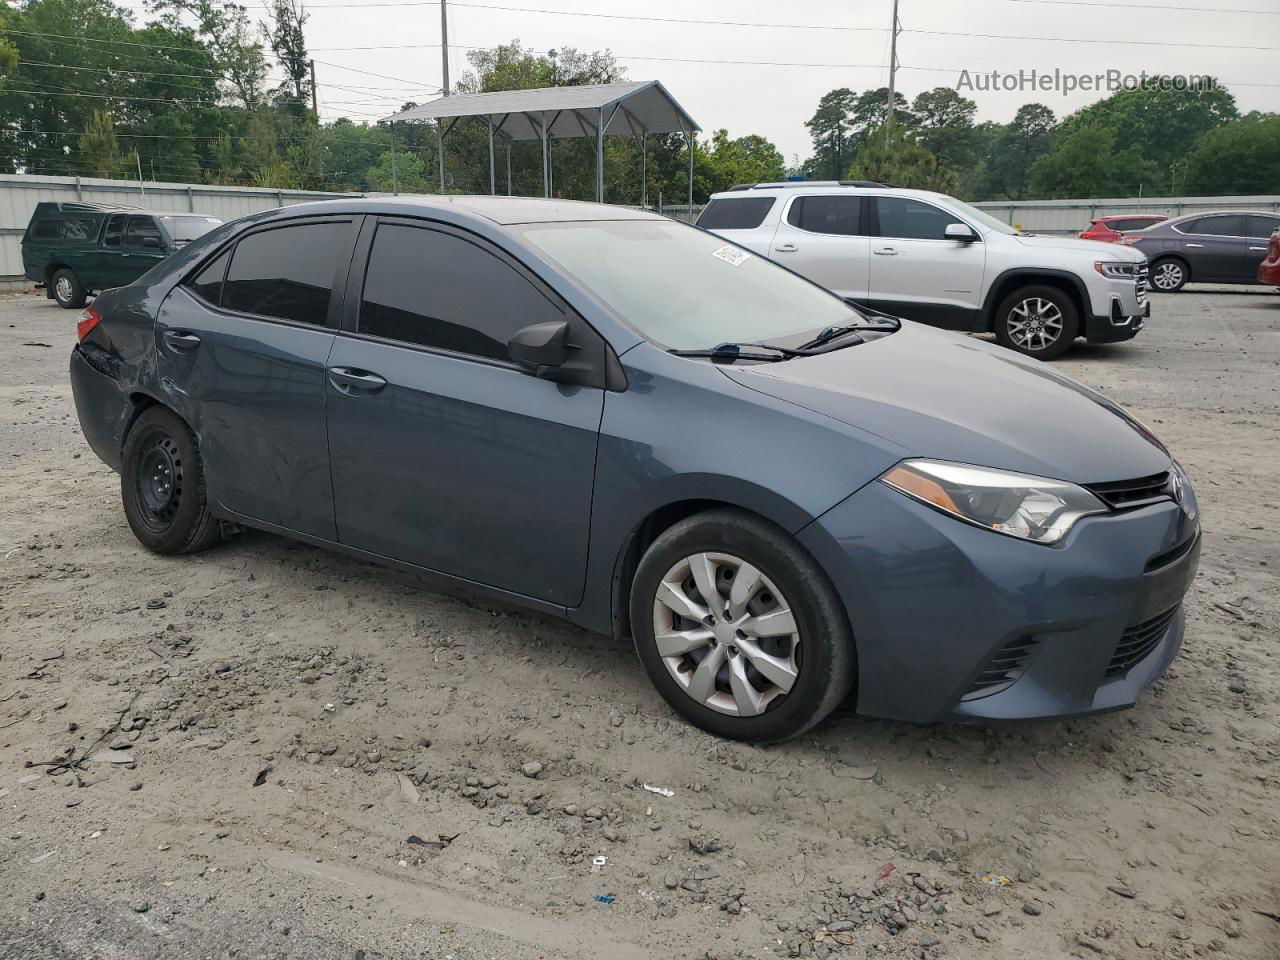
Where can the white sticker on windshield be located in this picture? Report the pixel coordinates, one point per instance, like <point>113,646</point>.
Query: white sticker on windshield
<point>731,255</point>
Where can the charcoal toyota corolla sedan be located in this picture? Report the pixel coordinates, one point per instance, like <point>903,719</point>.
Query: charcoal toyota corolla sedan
<point>622,420</point>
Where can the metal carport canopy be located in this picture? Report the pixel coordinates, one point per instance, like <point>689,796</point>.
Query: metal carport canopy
<point>631,108</point>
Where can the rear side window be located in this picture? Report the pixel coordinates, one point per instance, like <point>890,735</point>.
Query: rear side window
<point>112,235</point>
<point>837,215</point>
<point>139,229</point>
<point>1228,226</point>
<point>907,219</point>
<point>46,230</point>
<point>1131,224</point>
<point>207,284</point>
<point>735,213</point>
<point>286,273</point>
<point>80,228</point>
<point>438,290</point>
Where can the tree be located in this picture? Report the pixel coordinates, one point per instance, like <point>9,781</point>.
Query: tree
<point>285,34</point>
<point>871,111</point>
<point>225,29</point>
<point>749,159</point>
<point>1239,158</point>
<point>944,126</point>
<point>829,128</point>
<point>902,161</point>
<point>410,174</point>
<point>1085,162</point>
<point>1007,168</point>
<point>99,146</point>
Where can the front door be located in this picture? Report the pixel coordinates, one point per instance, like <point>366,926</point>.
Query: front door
<point>446,455</point>
<point>243,345</point>
<point>919,274</point>
<point>821,237</point>
<point>1217,247</point>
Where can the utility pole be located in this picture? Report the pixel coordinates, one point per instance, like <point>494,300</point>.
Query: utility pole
<point>444,44</point>
<point>395,178</point>
<point>142,191</point>
<point>894,29</point>
<point>315,108</point>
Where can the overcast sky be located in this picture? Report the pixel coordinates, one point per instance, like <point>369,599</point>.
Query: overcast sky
<point>776,100</point>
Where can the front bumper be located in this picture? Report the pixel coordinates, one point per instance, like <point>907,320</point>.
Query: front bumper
<point>940,608</point>
<point>1126,309</point>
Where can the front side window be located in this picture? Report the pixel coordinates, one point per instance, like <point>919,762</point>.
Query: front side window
<point>707,291</point>
<point>139,229</point>
<point>439,290</point>
<point>907,219</point>
<point>841,216</point>
<point>735,213</point>
<point>114,231</point>
<point>286,272</point>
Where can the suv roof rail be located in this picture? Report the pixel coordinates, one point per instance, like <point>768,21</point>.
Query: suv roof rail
<point>801,184</point>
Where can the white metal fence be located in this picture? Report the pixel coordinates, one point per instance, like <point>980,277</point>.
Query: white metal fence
<point>1072,216</point>
<point>19,195</point>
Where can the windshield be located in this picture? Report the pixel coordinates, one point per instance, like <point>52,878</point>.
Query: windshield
<point>686,289</point>
<point>984,218</point>
<point>186,229</point>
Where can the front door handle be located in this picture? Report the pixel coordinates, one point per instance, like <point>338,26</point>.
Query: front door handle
<point>886,252</point>
<point>181,341</point>
<point>353,381</point>
<point>786,248</point>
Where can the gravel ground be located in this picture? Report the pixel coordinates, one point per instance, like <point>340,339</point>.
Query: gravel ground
<point>436,775</point>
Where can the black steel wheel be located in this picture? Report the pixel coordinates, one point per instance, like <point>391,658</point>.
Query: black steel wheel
<point>162,485</point>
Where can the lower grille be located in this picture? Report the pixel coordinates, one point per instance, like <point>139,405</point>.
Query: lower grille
<point>1130,494</point>
<point>1003,669</point>
<point>1138,641</point>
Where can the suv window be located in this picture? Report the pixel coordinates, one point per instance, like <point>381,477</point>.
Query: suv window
<point>1225,226</point>
<point>838,215</point>
<point>139,228</point>
<point>114,231</point>
<point>207,284</point>
<point>1261,227</point>
<point>1137,224</point>
<point>80,228</point>
<point>46,230</point>
<point>735,213</point>
<point>907,219</point>
<point>438,290</point>
<point>286,272</point>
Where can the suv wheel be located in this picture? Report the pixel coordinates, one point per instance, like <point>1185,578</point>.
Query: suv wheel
<point>162,485</point>
<point>1168,275</point>
<point>1039,321</point>
<point>67,290</point>
<point>739,628</point>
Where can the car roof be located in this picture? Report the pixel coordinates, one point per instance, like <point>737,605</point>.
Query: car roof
<point>1223,213</point>
<point>506,211</point>
<point>1131,216</point>
<point>826,188</point>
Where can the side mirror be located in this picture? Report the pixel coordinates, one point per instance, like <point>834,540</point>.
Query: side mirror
<point>540,346</point>
<point>155,242</point>
<point>960,232</point>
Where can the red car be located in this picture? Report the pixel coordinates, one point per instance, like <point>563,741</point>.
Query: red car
<point>1269,268</point>
<point>1110,229</point>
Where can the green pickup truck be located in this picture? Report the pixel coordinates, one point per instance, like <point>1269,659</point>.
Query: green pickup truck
<point>76,249</point>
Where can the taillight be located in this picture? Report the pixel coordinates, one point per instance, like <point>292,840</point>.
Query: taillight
<point>89,318</point>
<point>1274,252</point>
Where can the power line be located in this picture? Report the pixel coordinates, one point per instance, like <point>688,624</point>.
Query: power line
<point>1127,43</point>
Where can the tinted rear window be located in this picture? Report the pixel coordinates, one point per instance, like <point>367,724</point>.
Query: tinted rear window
<point>735,213</point>
<point>186,229</point>
<point>66,228</point>
<point>286,272</point>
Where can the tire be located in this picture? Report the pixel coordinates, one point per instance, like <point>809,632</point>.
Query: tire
<point>67,291</point>
<point>162,485</point>
<point>1169,275</point>
<point>1039,321</point>
<point>810,669</point>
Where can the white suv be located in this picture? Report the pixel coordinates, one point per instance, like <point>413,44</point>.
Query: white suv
<point>929,257</point>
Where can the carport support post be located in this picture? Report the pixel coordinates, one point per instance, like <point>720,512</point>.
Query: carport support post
<point>493,179</point>
<point>546,166</point>
<point>600,156</point>
<point>689,140</point>
<point>440,150</point>
<point>508,168</point>
<point>644,177</point>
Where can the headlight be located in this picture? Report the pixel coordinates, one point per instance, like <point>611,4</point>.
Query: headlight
<point>1183,492</point>
<point>1116,270</point>
<point>1032,508</point>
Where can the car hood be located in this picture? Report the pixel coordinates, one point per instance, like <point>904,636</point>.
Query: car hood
<point>950,397</point>
<point>1092,247</point>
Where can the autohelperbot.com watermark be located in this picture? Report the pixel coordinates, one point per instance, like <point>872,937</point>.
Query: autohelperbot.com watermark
<point>1065,83</point>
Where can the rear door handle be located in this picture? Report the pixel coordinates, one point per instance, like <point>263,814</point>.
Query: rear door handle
<point>786,248</point>
<point>180,341</point>
<point>1263,249</point>
<point>1195,246</point>
<point>353,381</point>
<point>886,252</point>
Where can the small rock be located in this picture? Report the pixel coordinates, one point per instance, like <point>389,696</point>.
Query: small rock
<point>531,769</point>
<point>981,933</point>
<point>1032,908</point>
<point>141,906</point>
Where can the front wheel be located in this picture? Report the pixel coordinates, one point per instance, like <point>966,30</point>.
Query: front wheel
<point>1168,275</point>
<point>162,485</point>
<point>1040,321</point>
<point>739,628</point>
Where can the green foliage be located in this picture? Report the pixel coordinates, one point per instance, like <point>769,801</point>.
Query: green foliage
<point>410,174</point>
<point>1006,168</point>
<point>1237,158</point>
<point>900,159</point>
<point>100,148</point>
<point>1086,161</point>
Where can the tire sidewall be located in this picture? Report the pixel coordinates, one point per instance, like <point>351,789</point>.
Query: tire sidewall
<point>191,517</point>
<point>825,640</point>
<point>1169,261</point>
<point>1070,321</point>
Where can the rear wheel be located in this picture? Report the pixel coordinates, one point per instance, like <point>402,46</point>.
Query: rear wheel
<point>1169,275</point>
<point>1040,321</point>
<point>739,628</point>
<point>162,485</point>
<point>67,290</point>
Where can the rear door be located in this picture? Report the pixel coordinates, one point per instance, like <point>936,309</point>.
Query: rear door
<point>445,454</point>
<point>822,237</point>
<point>919,274</point>
<point>242,347</point>
<point>1260,228</point>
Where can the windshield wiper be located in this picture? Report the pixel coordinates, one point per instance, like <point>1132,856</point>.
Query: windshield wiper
<point>742,351</point>
<point>897,321</point>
